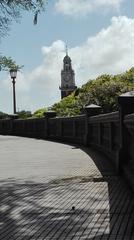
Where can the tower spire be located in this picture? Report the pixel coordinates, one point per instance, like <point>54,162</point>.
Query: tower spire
<point>66,50</point>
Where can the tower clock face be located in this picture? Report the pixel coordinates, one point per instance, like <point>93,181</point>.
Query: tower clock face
<point>67,78</point>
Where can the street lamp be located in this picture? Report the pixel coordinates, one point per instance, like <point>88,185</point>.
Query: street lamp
<point>13,74</point>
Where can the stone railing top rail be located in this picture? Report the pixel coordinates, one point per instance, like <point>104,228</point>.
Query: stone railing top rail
<point>114,116</point>
<point>72,117</point>
<point>129,118</point>
<point>29,119</point>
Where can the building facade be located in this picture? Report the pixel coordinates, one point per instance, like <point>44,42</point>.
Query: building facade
<point>67,77</point>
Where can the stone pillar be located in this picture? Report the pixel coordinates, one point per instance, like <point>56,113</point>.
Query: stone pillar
<point>48,115</point>
<point>90,110</point>
<point>126,106</point>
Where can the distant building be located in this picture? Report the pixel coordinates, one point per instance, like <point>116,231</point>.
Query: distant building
<point>67,77</point>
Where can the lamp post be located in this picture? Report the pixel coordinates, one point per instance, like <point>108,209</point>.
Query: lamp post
<point>13,74</point>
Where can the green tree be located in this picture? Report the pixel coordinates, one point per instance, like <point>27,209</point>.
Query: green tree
<point>7,63</point>
<point>102,91</point>
<point>3,115</point>
<point>10,10</point>
<point>40,112</point>
<point>24,114</point>
<point>67,106</point>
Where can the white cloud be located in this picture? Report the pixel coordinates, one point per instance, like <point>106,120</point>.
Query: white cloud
<point>110,51</point>
<point>84,7</point>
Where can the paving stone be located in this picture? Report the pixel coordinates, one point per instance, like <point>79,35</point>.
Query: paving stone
<point>55,191</point>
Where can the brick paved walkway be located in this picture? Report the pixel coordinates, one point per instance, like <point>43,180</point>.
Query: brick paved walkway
<point>82,200</point>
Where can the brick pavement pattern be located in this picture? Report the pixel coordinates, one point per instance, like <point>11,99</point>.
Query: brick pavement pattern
<point>55,191</point>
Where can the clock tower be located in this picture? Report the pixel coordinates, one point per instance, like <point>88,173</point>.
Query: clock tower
<point>67,77</point>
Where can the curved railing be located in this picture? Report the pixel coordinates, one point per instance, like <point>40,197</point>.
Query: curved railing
<point>112,133</point>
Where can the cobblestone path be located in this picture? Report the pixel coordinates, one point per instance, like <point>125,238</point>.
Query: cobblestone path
<point>56,191</point>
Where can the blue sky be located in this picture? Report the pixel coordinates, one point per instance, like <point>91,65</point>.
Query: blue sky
<point>100,39</point>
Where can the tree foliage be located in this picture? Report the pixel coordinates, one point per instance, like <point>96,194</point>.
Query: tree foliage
<point>11,10</point>
<point>67,106</point>
<point>7,63</point>
<point>39,113</point>
<point>102,91</point>
<point>24,114</point>
<point>3,115</point>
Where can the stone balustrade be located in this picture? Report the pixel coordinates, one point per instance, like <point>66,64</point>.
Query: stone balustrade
<point>112,133</point>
